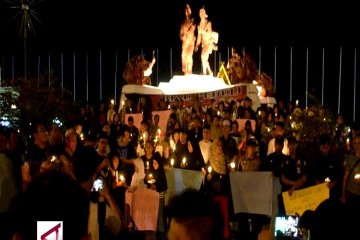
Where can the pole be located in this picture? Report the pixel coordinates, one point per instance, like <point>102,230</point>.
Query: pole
<point>49,75</point>
<point>228,53</point>
<point>74,74</point>
<point>355,75</point>
<point>171,70</point>
<point>13,67</point>
<point>100,77</point>
<point>291,72</point>
<point>323,76</point>
<point>340,69</point>
<point>115,78</point>
<point>87,76</point>
<point>25,51</point>
<point>259,71</point>
<point>307,78</point>
<point>38,72</point>
<point>275,66</point>
<point>62,70</point>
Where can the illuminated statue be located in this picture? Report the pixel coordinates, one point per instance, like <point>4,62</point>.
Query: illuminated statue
<point>138,70</point>
<point>241,69</point>
<point>208,40</point>
<point>187,36</point>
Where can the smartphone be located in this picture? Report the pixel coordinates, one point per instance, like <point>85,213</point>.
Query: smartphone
<point>286,226</point>
<point>98,185</point>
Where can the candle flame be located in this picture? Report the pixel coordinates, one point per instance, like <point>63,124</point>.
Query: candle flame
<point>121,177</point>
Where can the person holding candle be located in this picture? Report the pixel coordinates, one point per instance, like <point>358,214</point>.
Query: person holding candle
<point>327,167</point>
<point>183,151</point>
<point>105,215</point>
<point>155,130</point>
<point>156,180</point>
<point>351,181</point>
<point>133,131</point>
<point>137,180</point>
<point>126,154</point>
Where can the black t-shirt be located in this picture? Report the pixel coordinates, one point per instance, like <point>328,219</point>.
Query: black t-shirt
<point>273,163</point>
<point>128,170</point>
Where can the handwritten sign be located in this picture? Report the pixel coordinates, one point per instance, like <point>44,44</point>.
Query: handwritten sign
<point>144,207</point>
<point>253,192</point>
<point>305,199</point>
<point>180,179</point>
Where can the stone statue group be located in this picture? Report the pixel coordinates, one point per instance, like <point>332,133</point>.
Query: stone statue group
<point>191,43</point>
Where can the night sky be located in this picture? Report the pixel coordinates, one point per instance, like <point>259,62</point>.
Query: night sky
<point>108,25</point>
<point>89,24</point>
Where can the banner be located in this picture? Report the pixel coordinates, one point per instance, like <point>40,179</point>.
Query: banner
<point>144,208</point>
<point>253,192</point>
<point>305,199</point>
<point>179,179</point>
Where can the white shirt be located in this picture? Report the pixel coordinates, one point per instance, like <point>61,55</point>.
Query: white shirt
<point>205,149</point>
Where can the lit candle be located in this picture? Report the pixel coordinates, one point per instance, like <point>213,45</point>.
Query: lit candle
<point>183,162</point>
<point>144,137</point>
<point>259,113</point>
<point>112,101</point>
<point>232,165</point>
<point>327,179</point>
<point>150,179</point>
<point>81,136</point>
<point>122,178</point>
<point>172,162</point>
<point>116,175</point>
<point>122,103</point>
<point>297,102</point>
<point>147,165</point>
<point>172,145</point>
<point>53,158</point>
<point>210,169</point>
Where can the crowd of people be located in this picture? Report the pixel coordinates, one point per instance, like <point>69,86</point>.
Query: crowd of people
<point>53,175</point>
